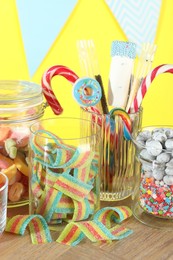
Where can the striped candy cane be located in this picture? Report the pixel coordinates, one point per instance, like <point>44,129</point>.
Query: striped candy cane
<point>147,82</point>
<point>46,85</point>
<point>80,93</point>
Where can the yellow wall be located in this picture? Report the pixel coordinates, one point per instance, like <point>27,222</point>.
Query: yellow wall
<point>91,19</point>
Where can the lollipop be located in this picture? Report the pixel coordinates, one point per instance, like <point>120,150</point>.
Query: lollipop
<point>80,92</point>
<point>126,120</point>
<point>147,82</point>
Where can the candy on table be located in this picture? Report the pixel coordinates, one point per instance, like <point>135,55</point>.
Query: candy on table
<point>63,180</point>
<point>156,156</point>
<point>38,227</point>
<point>13,154</point>
<point>99,229</point>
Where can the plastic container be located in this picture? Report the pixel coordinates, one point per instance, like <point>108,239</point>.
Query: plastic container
<point>21,104</point>
<point>153,196</point>
<point>65,169</point>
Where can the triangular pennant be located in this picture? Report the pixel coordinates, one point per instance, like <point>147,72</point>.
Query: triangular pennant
<point>137,18</point>
<point>41,22</point>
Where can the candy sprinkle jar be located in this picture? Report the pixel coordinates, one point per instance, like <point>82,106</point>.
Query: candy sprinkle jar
<point>21,103</point>
<point>153,196</point>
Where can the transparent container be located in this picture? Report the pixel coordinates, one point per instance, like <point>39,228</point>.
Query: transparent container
<point>3,201</point>
<point>117,178</point>
<point>21,104</point>
<point>65,169</point>
<point>153,196</point>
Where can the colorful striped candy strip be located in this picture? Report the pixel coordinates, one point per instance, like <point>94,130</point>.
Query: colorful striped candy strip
<point>95,231</point>
<point>72,187</point>
<point>65,205</point>
<point>38,227</point>
<point>82,210</point>
<point>81,174</point>
<point>48,202</point>
<point>117,214</point>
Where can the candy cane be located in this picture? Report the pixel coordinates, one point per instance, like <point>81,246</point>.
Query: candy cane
<point>79,89</point>
<point>46,85</point>
<point>147,82</point>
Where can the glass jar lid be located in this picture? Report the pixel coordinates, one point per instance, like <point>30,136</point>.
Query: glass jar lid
<point>20,100</point>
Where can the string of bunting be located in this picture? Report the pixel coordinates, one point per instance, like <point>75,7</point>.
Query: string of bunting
<point>98,229</point>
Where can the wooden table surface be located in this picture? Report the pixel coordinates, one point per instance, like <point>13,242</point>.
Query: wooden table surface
<point>145,243</point>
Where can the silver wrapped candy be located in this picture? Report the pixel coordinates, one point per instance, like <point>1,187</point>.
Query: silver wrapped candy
<point>158,174</point>
<point>161,137</point>
<point>168,180</point>
<point>169,171</point>
<point>163,157</point>
<point>146,156</point>
<point>153,147</point>
<point>169,144</point>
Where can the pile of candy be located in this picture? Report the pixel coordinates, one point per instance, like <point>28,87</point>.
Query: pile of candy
<point>99,229</point>
<point>65,179</point>
<point>13,160</point>
<point>156,156</point>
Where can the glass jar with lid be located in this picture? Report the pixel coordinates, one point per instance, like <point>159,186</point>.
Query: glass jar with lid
<point>21,104</point>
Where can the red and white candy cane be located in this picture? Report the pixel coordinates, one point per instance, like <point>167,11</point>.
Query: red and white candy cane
<point>47,89</point>
<point>147,82</point>
<point>80,94</point>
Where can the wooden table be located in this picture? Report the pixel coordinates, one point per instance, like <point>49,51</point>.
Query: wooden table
<point>144,243</point>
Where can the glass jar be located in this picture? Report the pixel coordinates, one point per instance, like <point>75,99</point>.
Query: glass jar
<point>117,177</point>
<point>153,196</point>
<point>21,103</point>
<point>65,169</point>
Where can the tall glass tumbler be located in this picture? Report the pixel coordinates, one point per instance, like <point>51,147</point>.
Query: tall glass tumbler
<point>118,155</point>
<point>65,169</point>
<point>3,201</point>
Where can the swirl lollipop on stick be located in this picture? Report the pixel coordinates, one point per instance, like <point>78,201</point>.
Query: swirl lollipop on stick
<point>80,86</point>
